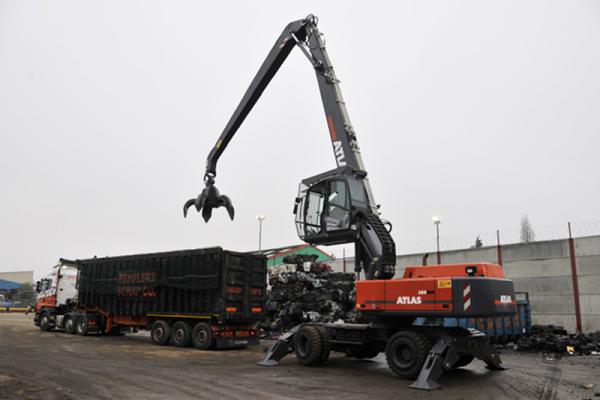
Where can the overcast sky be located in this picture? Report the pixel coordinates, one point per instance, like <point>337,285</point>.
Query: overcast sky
<point>478,111</point>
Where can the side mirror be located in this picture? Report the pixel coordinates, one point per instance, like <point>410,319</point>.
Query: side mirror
<point>38,286</point>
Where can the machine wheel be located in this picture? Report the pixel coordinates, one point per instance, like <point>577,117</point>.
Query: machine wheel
<point>406,352</point>
<point>326,345</point>
<point>160,332</point>
<point>308,345</point>
<point>45,322</point>
<point>69,324</point>
<point>181,334</point>
<point>202,336</point>
<point>81,326</point>
<point>365,352</point>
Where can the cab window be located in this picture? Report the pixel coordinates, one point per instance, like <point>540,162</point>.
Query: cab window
<point>338,206</point>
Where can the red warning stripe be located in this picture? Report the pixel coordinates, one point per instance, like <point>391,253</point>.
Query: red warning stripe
<point>331,128</point>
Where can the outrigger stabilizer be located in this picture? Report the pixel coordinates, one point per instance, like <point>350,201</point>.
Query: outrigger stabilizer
<point>454,348</point>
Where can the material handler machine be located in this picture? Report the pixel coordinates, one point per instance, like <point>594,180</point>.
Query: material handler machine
<point>337,207</point>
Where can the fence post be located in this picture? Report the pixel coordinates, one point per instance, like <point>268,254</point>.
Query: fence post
<point>499,248</point>
<point>575,281</point>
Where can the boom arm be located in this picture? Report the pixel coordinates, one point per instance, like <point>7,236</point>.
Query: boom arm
<point>304,34</point>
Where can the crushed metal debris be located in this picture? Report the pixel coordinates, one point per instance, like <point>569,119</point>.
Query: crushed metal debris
<point>303,290</point>
<point>555,339</point>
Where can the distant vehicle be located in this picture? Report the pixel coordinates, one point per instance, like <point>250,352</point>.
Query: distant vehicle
<point>211,298</point>
<point>2,302</point>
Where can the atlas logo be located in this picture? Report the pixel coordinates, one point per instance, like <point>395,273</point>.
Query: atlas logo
<point>338,150</point>
<point>506,299</point>
<point>409,300</point>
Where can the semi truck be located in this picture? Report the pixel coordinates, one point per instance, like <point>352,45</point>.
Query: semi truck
<point>209,298</point>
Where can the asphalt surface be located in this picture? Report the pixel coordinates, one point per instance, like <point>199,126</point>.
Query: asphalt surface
<point>55,365</point>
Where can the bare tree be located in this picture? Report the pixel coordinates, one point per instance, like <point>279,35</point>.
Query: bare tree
<point>527,233</point>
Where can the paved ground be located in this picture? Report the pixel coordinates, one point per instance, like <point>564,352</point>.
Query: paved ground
<point>42,365</point>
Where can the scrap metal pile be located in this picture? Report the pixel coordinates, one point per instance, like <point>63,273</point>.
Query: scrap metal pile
<point>555,339</point>
<point>303,290</point>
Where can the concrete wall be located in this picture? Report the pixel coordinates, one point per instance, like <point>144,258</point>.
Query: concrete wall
<point>541,268</point>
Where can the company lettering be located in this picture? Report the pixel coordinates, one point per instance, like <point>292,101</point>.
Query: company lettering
<point>409,300</point>
<point>339,153</point>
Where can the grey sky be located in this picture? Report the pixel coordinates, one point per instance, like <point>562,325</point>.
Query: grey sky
<point>476,111</point>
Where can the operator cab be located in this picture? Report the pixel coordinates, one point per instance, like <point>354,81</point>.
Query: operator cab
<point>328,203</point>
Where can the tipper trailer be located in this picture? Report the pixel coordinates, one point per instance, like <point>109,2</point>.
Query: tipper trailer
<point>211,298</point>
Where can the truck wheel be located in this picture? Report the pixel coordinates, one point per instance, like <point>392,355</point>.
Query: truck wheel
<point>69,324</point>
<point>160,333</point>
<point>326,347</point>
<point>181,334</point>
<point>45,322</point>
<point>81,326</point>
<point>202,336</point>
<point>308,344</point>
<point>406,352</point>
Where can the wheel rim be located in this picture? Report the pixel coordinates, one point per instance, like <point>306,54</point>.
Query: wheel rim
<point>179,335</point>
<point>158,333</point>
<point>81,325</point>
<point>404,355</point>
<point>44,321</point>
<point>69,324</point>
<point>202,336</point>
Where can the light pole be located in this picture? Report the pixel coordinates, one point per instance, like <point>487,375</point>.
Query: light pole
<point>436,222</point>
<point>260,218</point>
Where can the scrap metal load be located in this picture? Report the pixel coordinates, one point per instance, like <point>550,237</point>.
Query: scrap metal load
<point>307,291</point>
<point>555,339</point>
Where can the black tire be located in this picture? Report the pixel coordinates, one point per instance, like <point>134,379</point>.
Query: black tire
<point>81,326</point>
<point>160,332</point>
<point>308,345</point>
<point>181,334</point>
<point>45,325</point>
<point>69,324</point>
<point>326,345</point>
<point>406,352</point>
<point>202,336</point>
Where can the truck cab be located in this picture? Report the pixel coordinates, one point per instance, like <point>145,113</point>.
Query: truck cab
<point>55,293</point>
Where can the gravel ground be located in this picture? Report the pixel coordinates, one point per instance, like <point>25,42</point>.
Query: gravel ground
<point>54,365</point>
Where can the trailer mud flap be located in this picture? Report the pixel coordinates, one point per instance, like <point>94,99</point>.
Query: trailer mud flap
<point>446,353</point>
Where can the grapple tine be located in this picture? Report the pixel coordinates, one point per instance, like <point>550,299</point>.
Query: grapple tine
<point>187,205</point>
<point>228,206</point>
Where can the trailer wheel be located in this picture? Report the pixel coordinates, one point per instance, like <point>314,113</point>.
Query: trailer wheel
<point>81,326</point>
<point>69,324</point>
<point>406,353</point>
<point>45,322</point>
<point>308,344</point>
<point>160,333</point>
<point>202,336</point>
<point>181,334</point>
